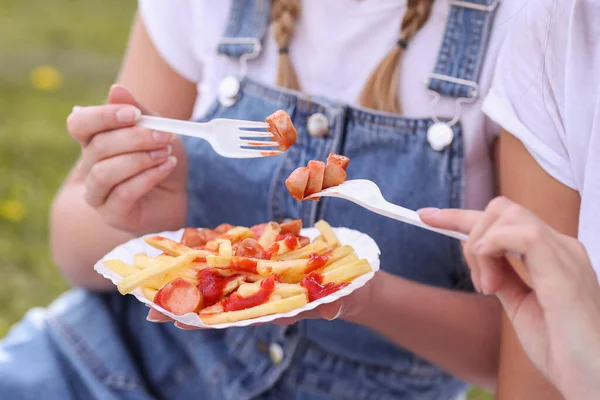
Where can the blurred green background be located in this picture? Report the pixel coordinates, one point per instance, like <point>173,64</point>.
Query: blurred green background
<point>53,55</point>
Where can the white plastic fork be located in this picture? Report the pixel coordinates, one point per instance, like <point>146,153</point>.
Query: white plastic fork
<point>366,194</point>
<point>226,136</point>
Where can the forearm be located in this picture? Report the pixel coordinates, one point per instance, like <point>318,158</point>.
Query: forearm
<point>79,237</point>
<point>457,331</point>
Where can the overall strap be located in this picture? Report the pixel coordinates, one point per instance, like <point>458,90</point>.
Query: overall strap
<point>248,22</point>
<point>463,48</point>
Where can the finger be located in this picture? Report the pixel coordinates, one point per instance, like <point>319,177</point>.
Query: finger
<point>157,317</point>
<point>120,95</point>
<point>490,273</point>
<point>124,196</point>
<point>451,219</point>
<point>85,122</point>
<point>185,327</point>
<point>488,218</point>
<point>513,290</point>
<point>121,141</point>
<point>310,314</point>
<point>105,175</point>
<point>331,311</point>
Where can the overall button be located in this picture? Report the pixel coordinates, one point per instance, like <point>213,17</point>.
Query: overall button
<point>229,89</point>
<point>317,125</point>
<point>440,136</point>
<point>276,353</point>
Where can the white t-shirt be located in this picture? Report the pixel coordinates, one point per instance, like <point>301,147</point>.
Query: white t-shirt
<point>547,93</point>
<point>336,46</point>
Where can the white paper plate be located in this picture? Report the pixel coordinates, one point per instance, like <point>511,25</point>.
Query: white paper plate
<point>364,246</point>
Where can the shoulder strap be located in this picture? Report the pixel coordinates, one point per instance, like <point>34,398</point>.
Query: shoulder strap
<point>463,48</point>
<point>248,22</point>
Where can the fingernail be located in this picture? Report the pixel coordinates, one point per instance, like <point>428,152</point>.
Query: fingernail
<point>153,320</point>
<point>77,108</point>
<point>169,164</point>
<point>429,211</point>
<point>128,114</point>
<point>162,137</point>
<point>162,153</point>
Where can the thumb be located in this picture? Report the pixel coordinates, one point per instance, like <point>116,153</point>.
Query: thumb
<point>120,95</point>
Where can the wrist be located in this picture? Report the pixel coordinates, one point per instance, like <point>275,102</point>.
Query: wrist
<point>366,311</point>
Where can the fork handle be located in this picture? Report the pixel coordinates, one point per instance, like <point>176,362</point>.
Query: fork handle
<point>185,128</point>
<point>411,217</point>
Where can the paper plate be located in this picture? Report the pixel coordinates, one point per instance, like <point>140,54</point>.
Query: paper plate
<point>363,244</point>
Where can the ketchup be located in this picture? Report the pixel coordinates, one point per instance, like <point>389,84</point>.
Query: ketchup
<point>244,264</point>
<point>211,285</point>
<point>236,302</point>
<point>290,240</point>
<point>313,283</point>
<point>317,261</point>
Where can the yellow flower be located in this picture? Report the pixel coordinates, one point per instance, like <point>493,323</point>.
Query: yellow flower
<point>12,210</point>
<point>46,78</point>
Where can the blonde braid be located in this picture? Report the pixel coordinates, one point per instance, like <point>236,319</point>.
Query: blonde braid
<point>284,14</point>
<point>381,90</point>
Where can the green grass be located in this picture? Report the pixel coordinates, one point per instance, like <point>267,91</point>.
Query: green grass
<point>84,41</point>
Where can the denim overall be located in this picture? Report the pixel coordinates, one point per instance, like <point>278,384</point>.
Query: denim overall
<point>100,346</point>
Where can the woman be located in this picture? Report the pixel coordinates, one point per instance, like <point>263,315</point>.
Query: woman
<point>130,181</point>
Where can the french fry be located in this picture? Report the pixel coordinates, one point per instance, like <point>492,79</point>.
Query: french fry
<point>120,267</point>
<point>274,307</point>
<point>347,272</point>
<point>215,261</point>
<point>173,248</point>
<point>266,268</point>
<point>129,283</point>
<point>225,249</point>
<point>215,308</point>
<point>339,253</point>
<point>342,261</point>
<point>304,252</point>
<point>269,235</point>
<point>327,233</point>
<point>284,290</point>
<point>149,292</point>
<point>238,233</point>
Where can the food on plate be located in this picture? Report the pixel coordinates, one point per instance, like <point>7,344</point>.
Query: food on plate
<point>234,273</point>
<point>317,176</point>
<point>282,128</point>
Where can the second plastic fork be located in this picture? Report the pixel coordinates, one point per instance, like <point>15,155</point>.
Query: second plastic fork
<point>367,194</point>
<point>230,138</point>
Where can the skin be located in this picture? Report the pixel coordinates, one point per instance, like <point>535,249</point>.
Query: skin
<point>95,212</point>
<point>558,206</point>
<point>556,315</point>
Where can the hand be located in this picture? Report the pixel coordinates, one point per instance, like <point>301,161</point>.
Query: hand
<point>557,317</point>
<point>345,308</point>
<point>134,178</point>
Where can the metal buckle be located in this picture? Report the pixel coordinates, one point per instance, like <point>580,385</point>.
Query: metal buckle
<point>244,57</point>
<point>458,102</point>
<point>473,6</point>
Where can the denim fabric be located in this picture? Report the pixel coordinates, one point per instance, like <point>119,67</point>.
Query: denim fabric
<point>99,346</point>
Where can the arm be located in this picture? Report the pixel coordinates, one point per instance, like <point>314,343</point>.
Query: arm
<point>525,182</point>
<point>434,323</point>
<point>79,236</point>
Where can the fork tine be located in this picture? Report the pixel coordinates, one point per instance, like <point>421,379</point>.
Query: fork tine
<point>256,135</point>
<point>251,143</point>
<point>251,124</point>
<point>247,153</point>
